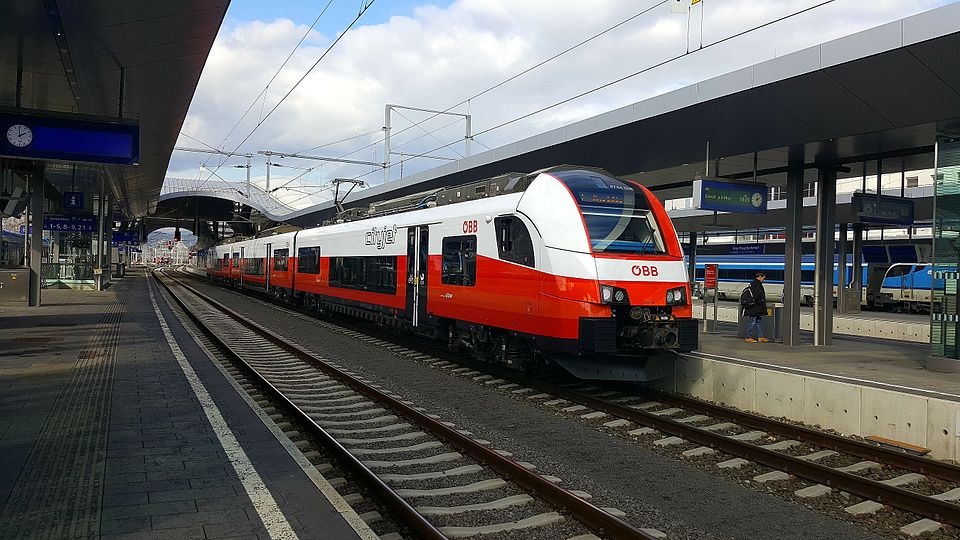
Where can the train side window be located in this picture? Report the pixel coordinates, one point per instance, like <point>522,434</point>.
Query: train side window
<point>513,241</point>
<point>236,259</point>
<point>308,260</point>
<point>280,260</point>
<point>374,274</point>
<point>253,267</point>
<point>459,261</point>
<point>226,259</point>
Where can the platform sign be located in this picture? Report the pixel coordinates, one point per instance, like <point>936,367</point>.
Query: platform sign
<point>127,238</point>
<point>883,209</point>
<point>68,137</point>
<point>746,249</point>
<point>723,196</point>
<point>70,223</point>
<point>72,200</point>
<point>710,276</point>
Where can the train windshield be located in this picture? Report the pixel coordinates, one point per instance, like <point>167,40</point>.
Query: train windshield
<point>618,218</point>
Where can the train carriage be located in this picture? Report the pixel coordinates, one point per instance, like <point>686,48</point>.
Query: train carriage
<point>569,265</point>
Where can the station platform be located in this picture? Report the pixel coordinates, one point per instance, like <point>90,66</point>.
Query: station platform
<point>114,423</point>
<point>872,324</point>
<point>856,386</point>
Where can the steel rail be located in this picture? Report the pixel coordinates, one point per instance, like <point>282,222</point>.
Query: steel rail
<point>871,489</point>
<point>386,495</point>
<point>601,521</point>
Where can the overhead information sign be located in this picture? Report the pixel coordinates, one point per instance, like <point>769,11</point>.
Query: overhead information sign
<point>69,138</point>
<point>723,196</point>
<point>883,209</point>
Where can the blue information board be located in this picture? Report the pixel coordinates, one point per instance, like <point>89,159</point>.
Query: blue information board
<point>70,223</point>
<point>30,135</point>
<point>128,238</point>
<point>73,200</point>
<point>723,196</point>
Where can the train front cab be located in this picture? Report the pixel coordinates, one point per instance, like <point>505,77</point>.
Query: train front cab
<point>615,290</point>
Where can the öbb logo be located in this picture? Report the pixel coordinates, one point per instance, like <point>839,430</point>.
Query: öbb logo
<point>470,226</point>
<point>644,270</point>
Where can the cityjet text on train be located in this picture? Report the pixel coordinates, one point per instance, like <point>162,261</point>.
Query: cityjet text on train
<point>381,236</point>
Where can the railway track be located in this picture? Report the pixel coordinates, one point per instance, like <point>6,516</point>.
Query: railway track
<point>438,481</point>
<point>827,464</point>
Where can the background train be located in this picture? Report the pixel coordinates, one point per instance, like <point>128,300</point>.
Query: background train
<point>566,264</point>
<point>896,287</point>
<point>11,249</point>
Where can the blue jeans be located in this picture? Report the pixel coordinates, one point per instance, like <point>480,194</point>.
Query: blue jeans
<point>756,322</point>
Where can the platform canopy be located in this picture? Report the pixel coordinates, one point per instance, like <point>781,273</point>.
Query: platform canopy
<point>882,93</point>
<point>137,60</point>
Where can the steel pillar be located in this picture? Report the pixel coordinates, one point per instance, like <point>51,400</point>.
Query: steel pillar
<point>842,283</point>
<point>692,260</point>
<point>823,279</point>
<point>858,258</point>
<point>35,232</point>
<point>793,236</point>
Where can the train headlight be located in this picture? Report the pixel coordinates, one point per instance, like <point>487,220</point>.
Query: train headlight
<point>676,296</point>
<point>613,295</point>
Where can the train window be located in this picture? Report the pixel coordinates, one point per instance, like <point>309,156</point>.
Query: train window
<point>308,260</point>
<point>459,261</point>
<point>280,260</point>
<point>236,259</point>
<point>226,259</point>
<point>617,217</point>
<point>253,267</point>
<point>375,274</point>
<point>513,241</point>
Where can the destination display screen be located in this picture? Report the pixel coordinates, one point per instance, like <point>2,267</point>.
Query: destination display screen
<point>617,217</point>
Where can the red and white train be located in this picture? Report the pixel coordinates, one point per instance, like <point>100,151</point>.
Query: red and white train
<point>565,264</point>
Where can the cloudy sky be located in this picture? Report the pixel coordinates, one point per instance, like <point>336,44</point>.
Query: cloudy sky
<point>436,55</point>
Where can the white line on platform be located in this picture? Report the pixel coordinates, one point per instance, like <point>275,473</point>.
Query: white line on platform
<point>273,519</point>
<point>777,367</point>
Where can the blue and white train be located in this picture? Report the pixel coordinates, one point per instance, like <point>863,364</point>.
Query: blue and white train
<point>895,287</point>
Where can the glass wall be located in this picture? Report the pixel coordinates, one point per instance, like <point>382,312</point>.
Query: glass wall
<point>945,312</point>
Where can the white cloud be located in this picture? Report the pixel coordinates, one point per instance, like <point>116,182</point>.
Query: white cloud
<point>436,57</point>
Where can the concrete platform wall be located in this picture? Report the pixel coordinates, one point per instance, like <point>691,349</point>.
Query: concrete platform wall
<point>863,326</point>
<point>845,407</point>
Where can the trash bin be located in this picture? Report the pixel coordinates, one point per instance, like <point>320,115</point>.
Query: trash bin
<point>772,323</point>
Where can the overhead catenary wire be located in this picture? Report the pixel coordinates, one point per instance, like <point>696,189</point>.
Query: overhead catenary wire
<point>618,80</point>
<point>505,81</point>
<point>363,9</point>
<point>263,93</point>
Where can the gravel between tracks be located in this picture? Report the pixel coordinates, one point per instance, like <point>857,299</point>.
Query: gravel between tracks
<point>654,490</point>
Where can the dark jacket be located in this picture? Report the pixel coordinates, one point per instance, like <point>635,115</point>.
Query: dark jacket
<point>759,306</point>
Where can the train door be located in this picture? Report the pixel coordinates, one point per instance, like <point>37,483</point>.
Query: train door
<point>417,257</point>
<point>242,264</point>
<point>267,269</point>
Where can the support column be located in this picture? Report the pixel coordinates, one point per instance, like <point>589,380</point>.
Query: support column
<point>793,236</point>
<point>692,259</point>
<point>842,271</point>
<point>108,237</point>
<point>823,280</point>
<point>35,232</point>
<point>858,258</point>
<point>101,208</point>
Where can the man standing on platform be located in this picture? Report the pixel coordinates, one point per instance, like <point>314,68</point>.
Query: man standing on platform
<point>754,302</point>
